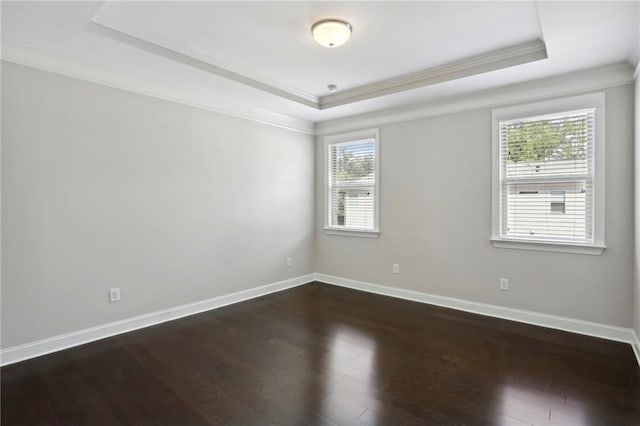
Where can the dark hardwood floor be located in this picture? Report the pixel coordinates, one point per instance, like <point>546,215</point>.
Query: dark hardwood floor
<point>320,354</point>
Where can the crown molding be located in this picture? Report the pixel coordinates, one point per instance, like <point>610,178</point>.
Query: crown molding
<point>115,31</point>
<point>612,75</point>
<point>491,61</point>
<point>86,70</point>
<point>604,77</point>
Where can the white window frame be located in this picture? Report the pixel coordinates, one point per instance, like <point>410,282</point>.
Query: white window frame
<point>352,137</point>
<point>594,100</point>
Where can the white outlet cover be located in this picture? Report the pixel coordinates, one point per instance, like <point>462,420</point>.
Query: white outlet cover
<point>504,284</point>
<point>114,295</point>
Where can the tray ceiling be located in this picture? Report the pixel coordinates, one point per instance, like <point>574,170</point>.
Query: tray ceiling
<point>260,57</point>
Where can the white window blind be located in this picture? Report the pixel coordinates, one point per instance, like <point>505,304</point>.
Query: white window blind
<point>352,184</point>
<point>547,177</point>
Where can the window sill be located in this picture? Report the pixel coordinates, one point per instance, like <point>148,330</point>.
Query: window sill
<point>351,232</point>
<point>590,249</point>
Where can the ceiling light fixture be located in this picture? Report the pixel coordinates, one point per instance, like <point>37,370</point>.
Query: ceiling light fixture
<point>332,88</point>
<point>331,32</point>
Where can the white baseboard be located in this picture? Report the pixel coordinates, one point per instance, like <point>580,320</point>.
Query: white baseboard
<point>635,345</point>
<point>57,343</point>
<point>610,332</point>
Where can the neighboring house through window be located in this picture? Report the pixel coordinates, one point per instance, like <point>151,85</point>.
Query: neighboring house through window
<point>352,183</point>
<point>548,183</point>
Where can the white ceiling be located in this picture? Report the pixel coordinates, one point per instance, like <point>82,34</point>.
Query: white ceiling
<point>272,41</point>
<point>271,44</point>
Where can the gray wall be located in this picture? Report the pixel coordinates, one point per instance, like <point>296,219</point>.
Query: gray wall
<point>435,221</point>
<point>104,188</point>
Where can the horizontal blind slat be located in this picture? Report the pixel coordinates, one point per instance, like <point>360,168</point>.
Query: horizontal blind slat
<point>352,183</point>
<point>547,167</point>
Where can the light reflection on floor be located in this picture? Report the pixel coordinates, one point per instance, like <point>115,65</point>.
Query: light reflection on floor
<point>350,368</point>
<point>521,405</point>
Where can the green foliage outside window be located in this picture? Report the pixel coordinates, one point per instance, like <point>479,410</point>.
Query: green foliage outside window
<point>547,140</point>
<point>352,167</point>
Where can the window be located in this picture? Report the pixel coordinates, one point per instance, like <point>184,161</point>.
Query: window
<point>548,166</point>
<point>352,183</point>
<point>557,201</point>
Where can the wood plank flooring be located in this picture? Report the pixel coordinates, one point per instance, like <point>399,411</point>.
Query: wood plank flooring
<point>324,355</point>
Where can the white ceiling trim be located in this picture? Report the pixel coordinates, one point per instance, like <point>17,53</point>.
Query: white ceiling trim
<point>489,61</point>
<point>600,78</point>
<point>107,28</point>
<point>87,70</point>
<point>564,85</point>
<point>567,84</point>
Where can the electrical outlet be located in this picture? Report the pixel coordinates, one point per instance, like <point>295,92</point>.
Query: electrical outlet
<point>396,268</point>
<point>289,262</point>
<point>504,284</point>
<point>114,295</point>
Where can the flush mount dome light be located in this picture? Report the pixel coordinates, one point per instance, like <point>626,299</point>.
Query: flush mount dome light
<point>331,32</point>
